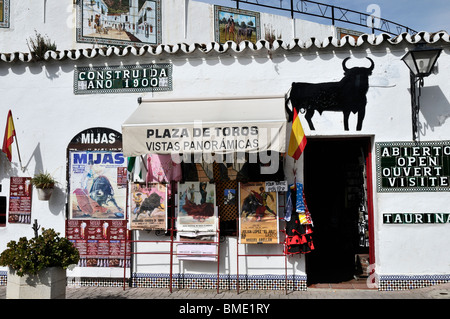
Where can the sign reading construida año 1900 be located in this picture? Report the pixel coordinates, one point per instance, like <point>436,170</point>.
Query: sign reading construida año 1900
<point>409,166</point>
<point>123,79</point>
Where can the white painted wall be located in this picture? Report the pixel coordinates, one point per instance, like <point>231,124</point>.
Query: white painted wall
<point>183,21</point>
<point>47,115</point>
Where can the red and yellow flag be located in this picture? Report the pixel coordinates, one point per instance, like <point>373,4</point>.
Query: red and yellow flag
<point>297,141</point>
<point>10,132</point>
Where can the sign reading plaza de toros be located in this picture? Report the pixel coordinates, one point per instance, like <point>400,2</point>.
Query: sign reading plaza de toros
<point>123,79</point>
<point>410,167</point>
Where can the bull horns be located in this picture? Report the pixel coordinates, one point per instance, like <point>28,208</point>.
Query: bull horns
<point>372,64</point>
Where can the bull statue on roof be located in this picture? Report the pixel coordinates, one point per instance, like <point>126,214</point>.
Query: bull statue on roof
<point>346,96</point>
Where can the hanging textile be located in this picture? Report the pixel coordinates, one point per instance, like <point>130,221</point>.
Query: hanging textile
<point>161,168</point>
<point>298,224</point>
<point>304,217</point>
<point>299,203</point>
<point>288,207</point>
<point>363,218</point>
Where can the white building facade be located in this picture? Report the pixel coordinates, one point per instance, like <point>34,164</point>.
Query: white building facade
<point>377,199</point>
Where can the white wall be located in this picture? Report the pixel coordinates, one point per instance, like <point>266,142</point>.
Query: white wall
<point>182,22</point>
<point>47,115</point>
<point>55,19</point>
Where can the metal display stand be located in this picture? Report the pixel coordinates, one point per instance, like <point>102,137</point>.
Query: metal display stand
<point>172,229</point>
<point>259,255</point>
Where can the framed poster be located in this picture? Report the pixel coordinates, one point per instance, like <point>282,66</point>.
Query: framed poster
<point>148,206</point>
<point>101,243</point>
<point>98,185</point>
<point>196,207</point>
<point>117,22</point>
<point>236,25</point>
<point>195,245</point>
<point>258,216</point>
<point>20,192</point>
<point>200,252</point>
<point>4,13</point>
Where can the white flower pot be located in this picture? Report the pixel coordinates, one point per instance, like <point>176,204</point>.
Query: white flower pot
<point>49,283</point>
<point>44,193</point>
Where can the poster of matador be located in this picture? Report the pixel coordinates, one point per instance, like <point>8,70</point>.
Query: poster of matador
<point>258,217</point>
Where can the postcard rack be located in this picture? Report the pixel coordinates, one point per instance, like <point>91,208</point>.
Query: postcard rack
<point>260,255</point>
<point>171,251</point>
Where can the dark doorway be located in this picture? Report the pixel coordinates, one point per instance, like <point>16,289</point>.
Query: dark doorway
<point>335,186</point>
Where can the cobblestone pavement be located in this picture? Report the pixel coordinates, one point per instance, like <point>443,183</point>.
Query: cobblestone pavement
<point>441,291</point>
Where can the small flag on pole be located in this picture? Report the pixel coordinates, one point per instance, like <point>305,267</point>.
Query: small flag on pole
<point>297,141</point>
<point>10,133</point>
<point>134,166</point>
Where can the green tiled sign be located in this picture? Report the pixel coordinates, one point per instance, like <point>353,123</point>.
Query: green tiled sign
<point>123,79</point>
<point>416,218</point>
<point>413,167</point>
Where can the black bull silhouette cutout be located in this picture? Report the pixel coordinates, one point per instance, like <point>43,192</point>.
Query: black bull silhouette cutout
<point>347,95</point>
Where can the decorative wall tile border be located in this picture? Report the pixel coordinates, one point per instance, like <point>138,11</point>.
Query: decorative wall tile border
<point>3,278</point>
<point>4,21</point>
<point>226,282</point>
<point>231,46</point>
<point>197,281</point>
<point>94,282</point>
<point>246,282</point>
<point>402,282</point>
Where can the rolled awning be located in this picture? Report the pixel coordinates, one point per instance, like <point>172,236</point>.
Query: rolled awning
<point>206,125</point>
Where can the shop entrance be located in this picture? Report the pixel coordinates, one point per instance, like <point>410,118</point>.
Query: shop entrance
<point>335,185</point>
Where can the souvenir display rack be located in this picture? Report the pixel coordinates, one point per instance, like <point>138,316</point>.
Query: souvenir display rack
<point>260,255</point>
<point>172,230</point>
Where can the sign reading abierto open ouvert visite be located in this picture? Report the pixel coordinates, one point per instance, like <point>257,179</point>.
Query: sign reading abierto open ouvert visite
<point>413,167</point>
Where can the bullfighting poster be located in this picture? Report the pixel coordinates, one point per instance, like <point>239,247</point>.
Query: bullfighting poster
<point>196,207</point>
<point>101,243</point>
<point>98,185</point>
<point>148,206</point>
<point>258,217</point>
<point>20,192</point>
<point>201,246</point>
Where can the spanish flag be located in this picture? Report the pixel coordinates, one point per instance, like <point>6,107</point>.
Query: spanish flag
<point>297,141</point>
<point>10,133</point>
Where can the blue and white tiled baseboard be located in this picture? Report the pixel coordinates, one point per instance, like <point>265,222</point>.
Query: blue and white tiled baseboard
<point>96,282</point>
<point>226,282</point>
<point>403,282</point>
<point>197,281</point>
<point>246,282</point>
<point>3,277</point>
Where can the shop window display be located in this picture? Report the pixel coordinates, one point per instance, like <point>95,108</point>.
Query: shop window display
<point>225,176</point>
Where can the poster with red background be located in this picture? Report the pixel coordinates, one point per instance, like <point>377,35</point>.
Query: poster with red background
<point>20,200</point>
<point>101,243</point>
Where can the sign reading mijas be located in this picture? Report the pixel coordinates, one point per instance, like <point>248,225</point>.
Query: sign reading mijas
<point>123,79</point>
<point>416,218</point>
<point>409,167</point>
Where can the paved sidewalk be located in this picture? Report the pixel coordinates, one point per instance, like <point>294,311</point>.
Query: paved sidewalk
<point>183,304</point>
<point>434,292</point>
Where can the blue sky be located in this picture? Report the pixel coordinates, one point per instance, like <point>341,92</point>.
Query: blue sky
<point>420,15</point>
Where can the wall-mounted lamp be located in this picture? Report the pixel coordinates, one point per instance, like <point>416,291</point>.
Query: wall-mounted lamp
<point>420,63</point>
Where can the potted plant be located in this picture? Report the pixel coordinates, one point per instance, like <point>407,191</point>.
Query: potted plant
<point>37,267</point>
<point>44,184</point>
